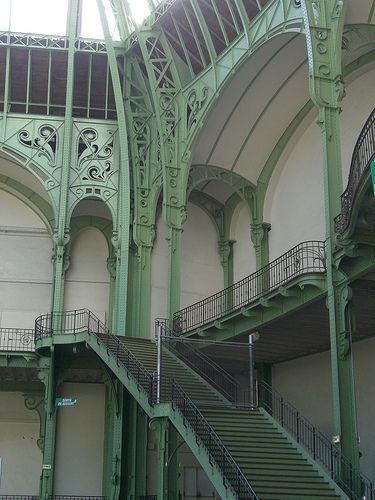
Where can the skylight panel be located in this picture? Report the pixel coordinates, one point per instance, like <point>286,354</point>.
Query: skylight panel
<point>35,16</point>
<point>139,9</point>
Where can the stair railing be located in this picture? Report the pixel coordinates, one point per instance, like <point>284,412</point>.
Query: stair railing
<point>190,353</point>
<point>218,454</point>
<point>363,152</point>
<point>305,258</point>
<point>80,321</point>
<point>17,340</point>
<point>83,320</point>
<point>323,451</point>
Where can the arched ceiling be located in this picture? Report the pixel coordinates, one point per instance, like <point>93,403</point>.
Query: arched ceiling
<point>251,115</point>
<point>360,11</point>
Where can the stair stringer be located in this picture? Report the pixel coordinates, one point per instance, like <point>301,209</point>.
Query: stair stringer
<point>158,411</point>
<point>305,454</point>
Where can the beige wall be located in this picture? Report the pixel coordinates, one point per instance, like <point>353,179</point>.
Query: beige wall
<point>21,457</point>
<point>295,198</point>
<point>306,383</point>
<point>80,441</point>
<point>87,279</point>
<point>25,264</point>
<point>201,270</point>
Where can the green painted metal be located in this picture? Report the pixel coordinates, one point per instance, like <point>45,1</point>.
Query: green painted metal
<point>324,22</point>
<point>121,238</point>
<point>113,455</point>
<point>160,427</point>
<point>61,235</point>
<point>284,301</point>
<point>159,119</point>
<point>35,401</point>
<point>47,376</point>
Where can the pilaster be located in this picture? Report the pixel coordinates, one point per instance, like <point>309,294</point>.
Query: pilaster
<point>259,237</point>
<point>226,258</point>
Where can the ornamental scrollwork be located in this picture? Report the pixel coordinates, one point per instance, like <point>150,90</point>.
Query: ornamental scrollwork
<point>195,101</point>
<point>94,157</point>
<point>45,142</point>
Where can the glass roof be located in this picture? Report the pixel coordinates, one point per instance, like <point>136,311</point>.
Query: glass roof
<point>49,17</point>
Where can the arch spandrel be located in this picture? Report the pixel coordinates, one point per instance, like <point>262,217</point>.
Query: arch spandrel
<point>35,144</point>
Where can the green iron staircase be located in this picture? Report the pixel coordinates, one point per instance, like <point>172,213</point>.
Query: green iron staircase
<point>247,453</point>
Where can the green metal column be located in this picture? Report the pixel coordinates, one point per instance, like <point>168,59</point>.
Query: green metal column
<point>259,237</point>
<point>173,469</point>
<point>121,236</point>
<point>141,458</point>
<point>61,234</point>
<point>324,22</point>
<point>226,257</point>
<point>135,445</point>
<point>46,374</point>
<point>111,266</point>
<point>338,296</point>
<point>113,437</point>
<point>174,270</point>
<point>160,427</point>
<point>143,291</point>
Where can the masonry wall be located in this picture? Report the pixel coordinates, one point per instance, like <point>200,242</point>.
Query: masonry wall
<point>21,459</point>
<point>25,264</point>
<point>201,270</point>
<point>295,198</point>
<point>87,279</point>
<point>80,441</point>
<point>306,383</point>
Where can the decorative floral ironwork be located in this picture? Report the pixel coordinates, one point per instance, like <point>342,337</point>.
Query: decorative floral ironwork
<point>45,142</point>
<point>94,156</point>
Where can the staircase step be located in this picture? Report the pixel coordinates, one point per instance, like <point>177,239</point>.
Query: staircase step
<point>271,461</point>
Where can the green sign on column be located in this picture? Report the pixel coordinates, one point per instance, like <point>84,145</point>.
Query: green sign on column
<point>66,401</point>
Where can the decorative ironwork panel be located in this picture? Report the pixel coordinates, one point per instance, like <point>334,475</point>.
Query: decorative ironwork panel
<point>95,162</point>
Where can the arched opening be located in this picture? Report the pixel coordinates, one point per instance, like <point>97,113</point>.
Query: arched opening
<point>87,279</point>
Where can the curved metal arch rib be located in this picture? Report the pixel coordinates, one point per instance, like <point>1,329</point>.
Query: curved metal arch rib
<point>205,173</point>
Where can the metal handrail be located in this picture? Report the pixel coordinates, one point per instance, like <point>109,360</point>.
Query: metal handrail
<point>17,339</point>
<point>204,366</point>
<point>323,451</point>
<point>363,152</point>
<point>217,451</point>
<point>305,258</point>
<point>19,497</point>
<point>82,320</point>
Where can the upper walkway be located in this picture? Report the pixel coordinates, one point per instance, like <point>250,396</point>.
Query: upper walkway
<point>308,259</point>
